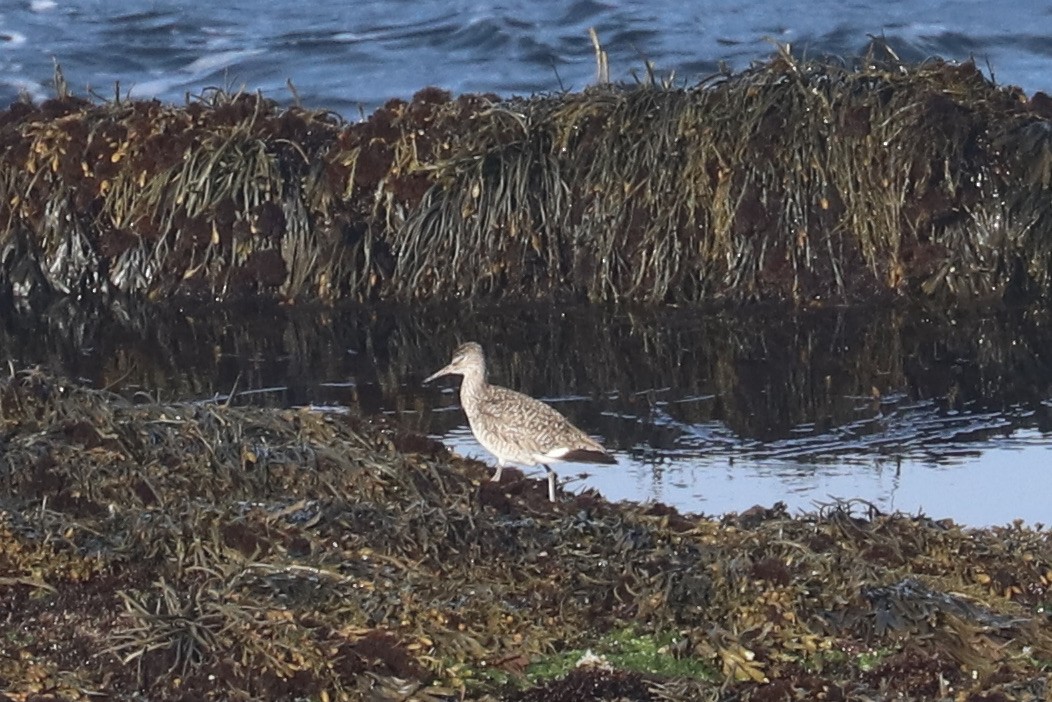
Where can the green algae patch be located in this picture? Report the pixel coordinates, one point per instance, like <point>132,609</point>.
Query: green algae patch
<point>627,650</point>
<point>178,551</point>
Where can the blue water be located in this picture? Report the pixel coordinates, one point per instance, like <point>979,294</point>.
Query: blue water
<point>347,56</point>
<point>991,483</point>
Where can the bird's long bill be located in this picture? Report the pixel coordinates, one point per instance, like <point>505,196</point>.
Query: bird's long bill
<point>437,374</point>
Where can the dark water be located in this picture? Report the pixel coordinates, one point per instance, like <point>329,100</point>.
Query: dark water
<point>709,411</point>
<point>341,55</point>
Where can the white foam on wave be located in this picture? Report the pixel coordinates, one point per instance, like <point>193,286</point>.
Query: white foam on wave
<point>34,90</point>
<point>358,37</point>
<point>194,71</point>
<point>222,59</point>
<point>11,39</point>
<point>42,5</point>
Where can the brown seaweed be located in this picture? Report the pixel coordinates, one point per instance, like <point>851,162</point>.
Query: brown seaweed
<point>807,181</point>
<point>208,551</point>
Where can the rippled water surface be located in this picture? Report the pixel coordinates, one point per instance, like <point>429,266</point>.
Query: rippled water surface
<point>709,411</point>
<point>340,55</point>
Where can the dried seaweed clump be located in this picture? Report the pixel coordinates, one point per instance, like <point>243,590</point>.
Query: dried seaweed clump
<point>202,551</point>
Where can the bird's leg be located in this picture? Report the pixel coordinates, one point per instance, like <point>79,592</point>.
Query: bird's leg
<point>551,484</point>
<point>500,469</point>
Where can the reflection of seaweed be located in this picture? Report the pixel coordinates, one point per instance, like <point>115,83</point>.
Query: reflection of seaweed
<point>795,180</point>
<point>766,372</point>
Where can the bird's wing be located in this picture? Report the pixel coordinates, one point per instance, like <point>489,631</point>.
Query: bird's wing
<point>533,425</point>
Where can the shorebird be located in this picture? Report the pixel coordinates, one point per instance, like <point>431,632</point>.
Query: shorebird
<point>514,427</point>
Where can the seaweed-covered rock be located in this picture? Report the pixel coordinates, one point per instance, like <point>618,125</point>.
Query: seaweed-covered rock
<point>807,181</point>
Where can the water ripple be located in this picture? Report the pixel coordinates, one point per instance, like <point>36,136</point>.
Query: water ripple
<point>401,47</point>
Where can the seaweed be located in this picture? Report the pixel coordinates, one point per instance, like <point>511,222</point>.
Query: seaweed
<point>809,181</point>
<point>210,551</point>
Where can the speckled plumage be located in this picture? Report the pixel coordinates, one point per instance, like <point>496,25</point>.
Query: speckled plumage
<point>514,427</point>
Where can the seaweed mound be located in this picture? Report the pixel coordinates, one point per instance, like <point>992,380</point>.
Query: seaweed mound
<point>805,181</point>
<point>203,551</point>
